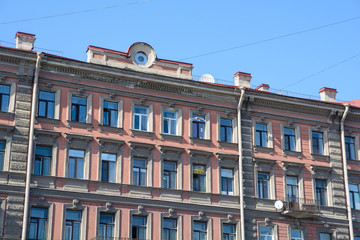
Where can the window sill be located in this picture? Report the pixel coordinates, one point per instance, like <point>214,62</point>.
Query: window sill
<point>320,157</point>
<point>292,153</point>
<point>169,136</point>
<point>48,120</point>
<point>353,161</point>
<point>110,129</point>
<point>264,149</point>
<point>9,115</point>
<point>199,140</point>
<point>142,133</point>
<point>227,144</point>
<point>70,124</point>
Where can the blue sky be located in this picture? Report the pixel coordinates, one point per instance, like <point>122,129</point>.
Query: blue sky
<point>179,30</point>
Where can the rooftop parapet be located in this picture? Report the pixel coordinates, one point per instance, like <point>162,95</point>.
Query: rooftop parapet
<point>139,57</point>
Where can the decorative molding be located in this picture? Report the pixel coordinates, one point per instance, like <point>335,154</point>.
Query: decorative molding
<point>199,153</point>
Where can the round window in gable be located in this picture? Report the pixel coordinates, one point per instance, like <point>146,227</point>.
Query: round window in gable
<point>141,58</point>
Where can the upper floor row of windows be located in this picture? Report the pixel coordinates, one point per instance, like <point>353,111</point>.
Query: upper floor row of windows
<point>291,141</point>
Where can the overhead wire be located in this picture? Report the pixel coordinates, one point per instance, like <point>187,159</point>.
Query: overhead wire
<point>271,39</point>
<point>321,71</point>
<point>74,13</point>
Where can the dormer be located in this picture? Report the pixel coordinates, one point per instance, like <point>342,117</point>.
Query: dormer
<point>139,57</point>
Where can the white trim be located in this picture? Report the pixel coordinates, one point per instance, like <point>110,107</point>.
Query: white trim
<point>89,104</point>
<point>119,101</point>
<point>234,137</point>
<point>83,225</point>
<point>207,133</point>
<point>179,119</point>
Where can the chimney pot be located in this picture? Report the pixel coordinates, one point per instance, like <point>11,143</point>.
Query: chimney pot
<point>25,41</point>
<point>328,94</point>
<point>242,79</point>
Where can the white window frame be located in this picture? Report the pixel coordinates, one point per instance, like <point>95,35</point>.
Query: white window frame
<point>57,92</point>
<point>324,131</point>
<point>6,136</point>
<point>323,173</point>
<point>179,223</point>
<point>89,104</point>
<point>50,208</point>
<point>202,218</point>
<point>265,166</point>
<point>179,120</point>
<point>229,161</point>
<point>143,151</point>
<point>230,220</point>
<point>270,144</point>
<point>12,96</point>
<point>141,213</point>
<point>267,223</point>
<point>119,101</point>
<point>78,142</point>
<point>356,144</point>
<point>48,138</point>
<point>109,209</point>
<point>75,206</point>
<point>150,122</point>
<point>293,169</point>
<point>207,133</point>
<point>234,128</point>
<point>299,228</point>
<point>198,157</point>
<point>296,128</point>
<point>172,154</point>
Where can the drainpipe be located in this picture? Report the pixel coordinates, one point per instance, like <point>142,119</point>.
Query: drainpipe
<point>241,183</point>
<point>30,147</point>
<point>346,180</point>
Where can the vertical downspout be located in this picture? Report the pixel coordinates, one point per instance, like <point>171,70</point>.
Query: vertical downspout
<point>346,180</point>
<point>241,183</point>
<point>30,147</point>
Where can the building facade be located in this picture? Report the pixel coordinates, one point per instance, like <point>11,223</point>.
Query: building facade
<point>129,146</point>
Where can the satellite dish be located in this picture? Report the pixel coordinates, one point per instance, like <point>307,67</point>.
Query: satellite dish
<point>207,78</point>
<point>279,205</point>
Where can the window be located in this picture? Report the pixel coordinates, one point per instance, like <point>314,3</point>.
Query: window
<point>42,160</point>
<point>199,175</point>
<point>350,148</point>
<point>289,139</point>
<point>72,225</point>
<point>354,196</point>
<point>321,192</point>
<point>4,98</point>
<point>110,115</point>
<point>292,188</point>
<point>261,135</point>
<point>78,109</point>
<point>357,238</point>
<point>76,163</point>
<point>266,233</point>
<point>169,176</point>
<point>106,226</point>
<point>46,106</point>
<point>170,122</point>
<point>108,167</point>
<point>317,143</point>
<point>169,229</point>
<point>199,230</point>
<point>263,185</point>
<point>2,154</point>
<point>138,228</point>
<point>227,179</point>
<point>139,171</point>
<point>229,232</point>
<point>296,234</point>
<point>325,236</point>
<point>141,118</point>
<point>38,219</point>
<point>226,130</point>
<point>198,126</point>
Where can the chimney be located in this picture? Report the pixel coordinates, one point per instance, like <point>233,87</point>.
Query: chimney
<point>328,94</point>
<point>242,79</point>
<point>25,41</point>
<point>263,87</point>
